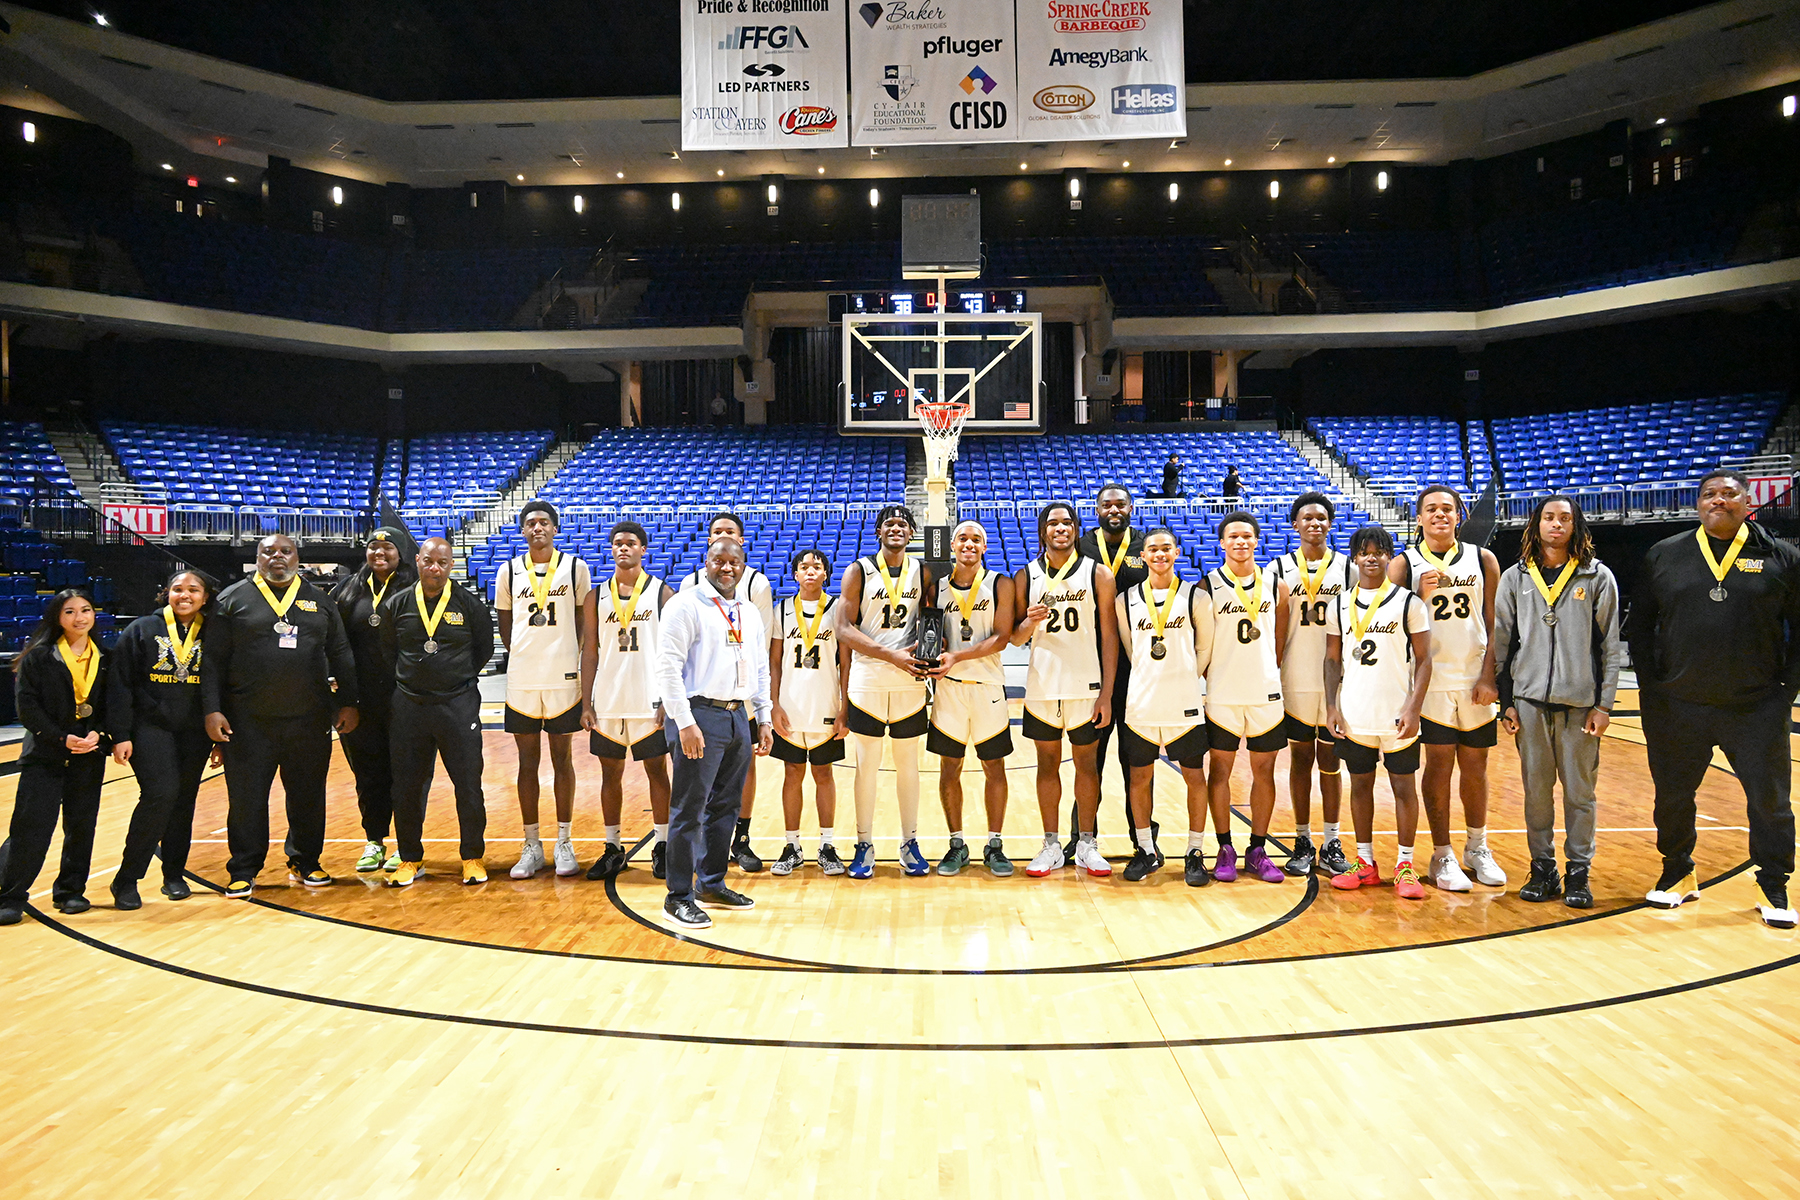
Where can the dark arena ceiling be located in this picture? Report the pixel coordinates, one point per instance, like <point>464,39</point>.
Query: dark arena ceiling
<point>446,50</point>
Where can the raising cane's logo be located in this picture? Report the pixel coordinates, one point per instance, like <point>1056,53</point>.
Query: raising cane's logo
<point>807,120</point>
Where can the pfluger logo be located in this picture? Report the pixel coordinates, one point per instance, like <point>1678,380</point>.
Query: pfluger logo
<point>807,120</point>
<point>1103,16</point>
<point>1064,98</point>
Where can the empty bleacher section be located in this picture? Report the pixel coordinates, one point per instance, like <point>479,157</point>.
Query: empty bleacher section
<point>476,288</point>
<point>441,480</point>
<point>793,487</point>
<point>316,485</point>
<point>30,468</point>
<point>1396,456</point>
<point>31,564</point>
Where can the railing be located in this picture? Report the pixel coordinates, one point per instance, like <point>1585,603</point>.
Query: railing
<point>1613,503</point>
<point>233,524</point>
<point>1164,409</point>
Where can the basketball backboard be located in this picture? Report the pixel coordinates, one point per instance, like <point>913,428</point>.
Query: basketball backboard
<point>991,361</point>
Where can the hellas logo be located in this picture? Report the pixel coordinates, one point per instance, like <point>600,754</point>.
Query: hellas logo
<point>1064,98</point>
<point>1143,99</point>
<point>807,120</point>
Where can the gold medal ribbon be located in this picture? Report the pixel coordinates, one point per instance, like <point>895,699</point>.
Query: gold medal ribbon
<point>542,593</point>
<point>1311,580</point>
<point>83,670</point>
<point>1054,578</point>
<point>1551,592</point>
<point>1737,543</point>
<point>182,649</point>
<point>896,582</point>
<point>809,633</point>
<point>628,610</point>
<point>382,594</point>
<point>1113,562</point>
<point>1442,566</point>
<point>286,602</point>
<point>1360,625</point>
<point>431,619</point>
<point>1251,600</point>
<point>1160,614</point>
<point>966,600</point>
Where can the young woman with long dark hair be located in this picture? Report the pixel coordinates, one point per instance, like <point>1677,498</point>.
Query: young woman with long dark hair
<point>61,693</point>
<point>158,725</point>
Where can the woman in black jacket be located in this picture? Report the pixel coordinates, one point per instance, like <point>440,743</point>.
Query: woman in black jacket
<point>158,725</point>
<point>387,570</point>
<point>61,691</point>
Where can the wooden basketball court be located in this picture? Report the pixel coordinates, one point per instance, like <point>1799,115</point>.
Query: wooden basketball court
<point>965,1036</point>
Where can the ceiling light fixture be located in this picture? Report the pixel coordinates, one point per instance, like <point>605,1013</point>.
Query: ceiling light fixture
<point>28,131</point>
<point>337,195</point>
<point>578,202</point>
<point>1127,162</point>
<point>621,174</point>
<point>1021,166</point>
<point>1274,189</point>
<point>1787,106</point>
<point>520,178</point>
<point>1331,158</point>
<point>675,201</point>
<point>821,170</point>
<point>1228,162</point>
<point>721,174</point>
<point>231,179</point>
<point>100,20</point>
<point>1662,120</point>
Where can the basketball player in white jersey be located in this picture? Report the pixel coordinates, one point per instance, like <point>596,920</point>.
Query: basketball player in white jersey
<point>624,714</point>
<point>1072,625</point>
<point>1243,691</point>
<point>1167,626</point>
<point>550,662</point>
<point>754,587</point>
<point>1377,670</point>
<point>1458,581</point>
<point>805,672</point>
<point>969,708</point>
<point>884,689</point>
<point>1315,575</point>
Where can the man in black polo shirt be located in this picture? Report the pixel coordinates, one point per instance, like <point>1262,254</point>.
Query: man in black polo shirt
<point>437,636</point>
<point>274,646</point>
<point>1715,638</point>
<point>1120,548</point>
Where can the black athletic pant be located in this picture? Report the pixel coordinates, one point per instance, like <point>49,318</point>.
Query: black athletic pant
<point>71,788</point>
<point>1680,738</point>
<point>452,730</point>
<point>300,748</point>
<point>168,766</point>
<point>1121,685</point>
<point>366,748</point>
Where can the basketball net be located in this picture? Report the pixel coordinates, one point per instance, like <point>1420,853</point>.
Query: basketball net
<point>943,422</point>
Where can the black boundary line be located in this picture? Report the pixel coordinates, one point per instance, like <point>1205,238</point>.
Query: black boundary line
<point>1007,1047</point>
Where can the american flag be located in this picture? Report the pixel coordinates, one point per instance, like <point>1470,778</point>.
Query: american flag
<point>1019,411</point>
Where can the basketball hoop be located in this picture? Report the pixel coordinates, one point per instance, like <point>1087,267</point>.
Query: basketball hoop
<point>943,422</point>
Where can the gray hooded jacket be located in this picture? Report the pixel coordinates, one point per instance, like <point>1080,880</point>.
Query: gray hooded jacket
<point>1574,662</point>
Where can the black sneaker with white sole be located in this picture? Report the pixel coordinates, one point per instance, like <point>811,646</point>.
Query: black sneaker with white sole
<point>1142,863</point>
<point>682,911</point>
<point>1193,870</point>
<point>609,864</point>
<point>829,862</point>
<point>1333,861</point>
<point>659,860</point>
<point>791,860</point>
<point>1301,860</point>
<point>724,897</point>
<point>746,859</point>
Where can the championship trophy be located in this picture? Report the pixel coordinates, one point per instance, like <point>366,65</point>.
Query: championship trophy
<point>931,638</point>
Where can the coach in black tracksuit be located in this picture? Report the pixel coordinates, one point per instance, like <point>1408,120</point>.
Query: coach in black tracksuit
<point>157,720</point>
<point>386,571</point>
<point>274,648</point>
<point>437,654</point>
<point>1114,543</point>
<point>1717,650</point>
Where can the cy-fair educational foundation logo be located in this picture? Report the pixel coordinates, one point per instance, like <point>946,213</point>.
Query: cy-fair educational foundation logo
<point>898,81</point>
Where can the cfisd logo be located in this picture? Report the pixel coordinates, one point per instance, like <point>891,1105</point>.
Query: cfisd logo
<point>1143,99</point>
<point>807,120</point>
<point>772,37</point>
<point>1064,98</point>
<point>977,78</point>
<point>897,81</point>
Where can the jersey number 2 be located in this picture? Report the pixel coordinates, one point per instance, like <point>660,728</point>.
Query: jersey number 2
<point>1365,652</point>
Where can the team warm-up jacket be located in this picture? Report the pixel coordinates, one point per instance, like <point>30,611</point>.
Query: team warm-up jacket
<point>1734,654</point>
<point>1573,663</point>
<point>251,676</point>
<point>45,695</point>
<point>1132,570</point>
<point>374,673</point>
<point>465,638</point>
<point>142,688</point>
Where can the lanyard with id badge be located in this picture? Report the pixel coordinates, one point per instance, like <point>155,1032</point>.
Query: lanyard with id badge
<point>286,632</point>
<point>735,635</point>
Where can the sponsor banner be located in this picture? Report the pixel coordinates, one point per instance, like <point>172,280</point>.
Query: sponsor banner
<point>1100,69</point>
<point>762,74</point>
<point>933,71</point>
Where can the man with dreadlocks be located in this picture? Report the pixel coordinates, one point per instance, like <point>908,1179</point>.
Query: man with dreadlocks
<point>1556,654</point>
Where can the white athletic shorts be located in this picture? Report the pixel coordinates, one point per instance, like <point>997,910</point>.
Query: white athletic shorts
<point>627,731</point>
<point>543,703</point>
<point>899,713</point>
<point>970,713</point>
<point>1455,710</point>
<point>1245,720</point>
<point>1308,708</point>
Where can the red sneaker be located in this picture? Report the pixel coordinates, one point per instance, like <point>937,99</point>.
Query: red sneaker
<point>1406,883</point>
<point>1365,875</point>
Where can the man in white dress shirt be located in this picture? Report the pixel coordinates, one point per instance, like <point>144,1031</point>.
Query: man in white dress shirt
<point>713,665</point>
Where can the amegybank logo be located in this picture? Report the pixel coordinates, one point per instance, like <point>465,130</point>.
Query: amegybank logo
<point>1143,99</point>
<point>808,120</point>
<point>1098,16</point>
<point>1115,56</point>
<point>1064,98</point>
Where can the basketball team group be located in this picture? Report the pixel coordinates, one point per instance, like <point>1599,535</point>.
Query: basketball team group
<point>1404,659</point>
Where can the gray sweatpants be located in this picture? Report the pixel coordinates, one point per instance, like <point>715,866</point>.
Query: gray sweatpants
<point>1552,743</point>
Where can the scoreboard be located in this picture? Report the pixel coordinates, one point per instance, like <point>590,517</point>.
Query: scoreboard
<point>911,303</point>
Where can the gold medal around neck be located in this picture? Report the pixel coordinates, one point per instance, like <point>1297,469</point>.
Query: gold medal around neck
<point>1441,565</point>
<point>540,586</point>
<point>626,611</point>
<point>809,631</point>
<point>1551,592</point>
<point>1113,562</point>
<point>894,584</point>
<point>83,672</point>
<point>965,601</point>
<point>1252,600</point>
<point>283,626</point>
<point>377,598</point>
<point>1159,616</point>
<point>1720,567</point>
<point>1312,581</point>
<point>181,649</point>
<point>1359,624</point>
<point>430,619</point>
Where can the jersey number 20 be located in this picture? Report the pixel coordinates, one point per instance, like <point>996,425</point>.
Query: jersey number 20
<point>1063,620</point>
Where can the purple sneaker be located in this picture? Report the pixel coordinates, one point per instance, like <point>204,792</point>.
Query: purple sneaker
<point>1257,862</point>
<point>1225,866</point>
